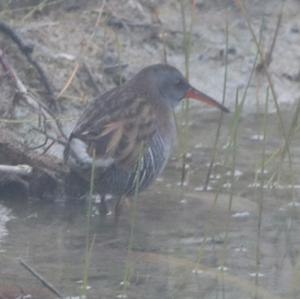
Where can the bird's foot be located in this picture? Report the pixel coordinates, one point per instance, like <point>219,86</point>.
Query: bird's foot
<point>103,205</point>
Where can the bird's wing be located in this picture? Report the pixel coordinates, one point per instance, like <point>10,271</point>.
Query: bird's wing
<point>118,126</point>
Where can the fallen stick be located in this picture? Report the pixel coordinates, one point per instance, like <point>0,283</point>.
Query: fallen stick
<point>48,285</point>
<point>16,169</point>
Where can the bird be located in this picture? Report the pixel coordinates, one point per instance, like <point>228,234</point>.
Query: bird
<point>128,132</point>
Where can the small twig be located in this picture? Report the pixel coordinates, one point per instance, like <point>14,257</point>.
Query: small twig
<point>48,147</point>
<point>25,8</point>
<point>81,61</point>
<point>69,81</point>
<point>99,17</point>
<point>109,68</point>
<point>33,148</point>
<point>44,144</point>
<point>50,137</point>
<point>16,169</point>
<point>41,279</point>
<point>124,23</point>
<point>268,57</point>
<point>269,79</point>
<point>91,78</point>
<point>37,8</point>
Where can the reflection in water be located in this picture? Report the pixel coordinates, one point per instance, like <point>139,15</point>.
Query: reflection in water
<point>5,216</point>
<point>186,244</point>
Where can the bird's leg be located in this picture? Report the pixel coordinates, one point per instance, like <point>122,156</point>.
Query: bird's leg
<point>118,209</point>
<point>104,210</point>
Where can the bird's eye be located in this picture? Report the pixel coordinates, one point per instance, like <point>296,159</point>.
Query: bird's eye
<point>178,82</point>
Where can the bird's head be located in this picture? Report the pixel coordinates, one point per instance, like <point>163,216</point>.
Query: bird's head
<point>167,84</point>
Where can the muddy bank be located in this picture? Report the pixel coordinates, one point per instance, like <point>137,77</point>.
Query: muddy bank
<point>115,39</point>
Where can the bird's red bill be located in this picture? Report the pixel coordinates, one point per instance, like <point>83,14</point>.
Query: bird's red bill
<point>200,96</point>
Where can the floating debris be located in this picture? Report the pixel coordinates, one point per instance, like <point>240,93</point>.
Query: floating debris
<point>293,204</point>
<point>226,145</point>
<point>87,287</point>
<point>5,216</point>
<point>241,215</point>
<point>125,283</point>
<point>108,196</point>
<point>258,274</point>
<point>257,137</point>
<point>237,173</point>
<point>215,176</point>
<point>223,269</point>
<point>122,296</point>
<point>188,155</point>
<point>274,186</point>
<point>227,185</point>
<point>240,249</point>
<point>198,145</point>
<point>265,171</point>
<point>184,184</point>
<point>197,271</point>
<point>201,188</point>
<point>109,213</point>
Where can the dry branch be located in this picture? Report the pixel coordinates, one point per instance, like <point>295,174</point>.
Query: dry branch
<point>48,285</point>
<point>32,101</point>
<point>17,169</point>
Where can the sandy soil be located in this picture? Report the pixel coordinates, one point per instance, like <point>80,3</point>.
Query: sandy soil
<point>135,33</point>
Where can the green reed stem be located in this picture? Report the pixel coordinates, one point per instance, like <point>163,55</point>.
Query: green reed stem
<point>261,195</point>
<point>218,133</point>
<point>234,125</point>
<point>270,82</point>
<point>258,81</point>
<point>89,242</point>
<point>284,149</point>
<point>232,180</point>
<point>187,45</point>
<point>39,7</point>
<point>26,8</point>
<point>128,267</point>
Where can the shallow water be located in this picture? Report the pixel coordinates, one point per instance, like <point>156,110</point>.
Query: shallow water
<point>186,244</point>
